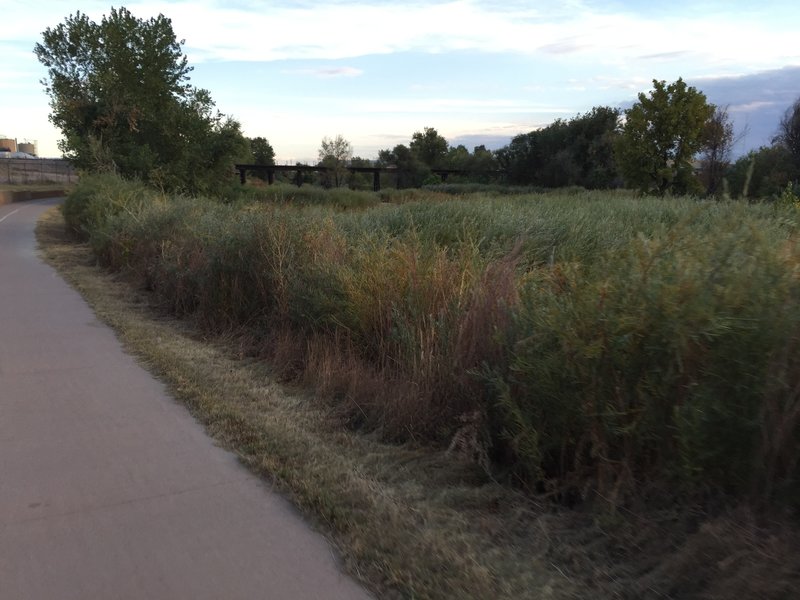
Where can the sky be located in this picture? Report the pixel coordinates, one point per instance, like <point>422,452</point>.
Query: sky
<point>479,72</point>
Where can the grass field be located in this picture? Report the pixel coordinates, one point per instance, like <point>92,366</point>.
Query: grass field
<point>631,357</point>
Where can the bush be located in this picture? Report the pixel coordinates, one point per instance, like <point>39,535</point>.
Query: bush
<point>598,342</point>
<point>668,360</point>
<point>96,198</point>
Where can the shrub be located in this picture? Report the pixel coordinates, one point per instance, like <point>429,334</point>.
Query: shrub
<point>599,342</point>
<point>95,198</point>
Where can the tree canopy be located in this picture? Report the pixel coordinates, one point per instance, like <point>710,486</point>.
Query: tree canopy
<point>429,147</point>
<point>335,153</point>
<point>119,92</point>
<point>661,135</point>
<point>789,131</point>
<point>717,138</point>
<point>574,152</point>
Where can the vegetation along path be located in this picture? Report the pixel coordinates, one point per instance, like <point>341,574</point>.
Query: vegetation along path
<point>108,488</point>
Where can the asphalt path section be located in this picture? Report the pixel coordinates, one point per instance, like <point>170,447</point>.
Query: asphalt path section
<point>108,488</point>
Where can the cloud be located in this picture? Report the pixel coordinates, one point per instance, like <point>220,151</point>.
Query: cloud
<point>364,28</point>
<point>755,102</point>
<point>563,47</point>
<point>733,40</point>
<point>327,72</point>
<point>664,55</point>
<point>758,105</point>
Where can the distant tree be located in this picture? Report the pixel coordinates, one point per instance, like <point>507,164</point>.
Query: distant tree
<point>119,93</point>
<point>661,135</point>
<point>717,140</point>
<point>457,157</point>
<point>429,147</point>
<point>262,153</point>
<point>574,152</point>
<point>334,154</point>
<point>762,173</point>
<point>411,171</point>
<point>483,165</point>
<point>789,131</point>
<point>359,181</point>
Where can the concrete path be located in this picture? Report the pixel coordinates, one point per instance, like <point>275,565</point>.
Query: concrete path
<point>108,488</point>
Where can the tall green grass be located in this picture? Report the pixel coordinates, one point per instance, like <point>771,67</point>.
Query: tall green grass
<point>586,341</point>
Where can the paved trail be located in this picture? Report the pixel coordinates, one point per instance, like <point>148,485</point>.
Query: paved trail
<point>108,488</point>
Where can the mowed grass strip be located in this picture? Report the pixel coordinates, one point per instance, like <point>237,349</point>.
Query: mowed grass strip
<point>409,522</point>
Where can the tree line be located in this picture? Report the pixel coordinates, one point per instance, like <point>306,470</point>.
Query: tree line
<point>120,94</point>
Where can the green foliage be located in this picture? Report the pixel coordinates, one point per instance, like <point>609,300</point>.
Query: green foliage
<point>97,198</point>
<point>261,153</point>
<point>335,154</point>
<point>606,342</point>
<point>119,94</point>
<point>717,141</point>
<point>661,135</point>
<point>428,150</point>
<point>789,132</point>
<point>762,173</point>
<point>411,172</point>
<point>575,152</point>
<point>309,195</point>
<point>494,189</point>
<point>479,167</point>
<point>429,147</point>
<point>658,359</point>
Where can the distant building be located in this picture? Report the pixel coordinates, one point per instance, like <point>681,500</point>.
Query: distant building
<point>10,149</point>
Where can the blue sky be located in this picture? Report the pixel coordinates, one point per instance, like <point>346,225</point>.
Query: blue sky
<point>376,71</point>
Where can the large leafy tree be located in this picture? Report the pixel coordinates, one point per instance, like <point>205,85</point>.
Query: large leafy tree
<point>119,92</point>
<point>662,133</point>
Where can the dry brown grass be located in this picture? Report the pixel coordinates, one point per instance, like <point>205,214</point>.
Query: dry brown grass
<point>415,523</point>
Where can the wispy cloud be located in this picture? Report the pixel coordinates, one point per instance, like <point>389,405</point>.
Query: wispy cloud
<point>751,106</point>
<point>578,30</point>
<point>327,72</point>
<point>665,55</point>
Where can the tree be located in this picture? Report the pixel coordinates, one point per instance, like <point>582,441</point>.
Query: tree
<point>574,152</point>
<point>789,131</point>
<point>762,173</point>
<point>411,172</point>
<point>360,181</point>
<point>717,141</point>
<point>262,154</point>
<point>483,165</point>
<point>120,95</point>
<point>661,135</point>
<point>429,147</point>
<point>334,154</point>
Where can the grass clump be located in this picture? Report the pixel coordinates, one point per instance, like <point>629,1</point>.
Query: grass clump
<point>309,195</point>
